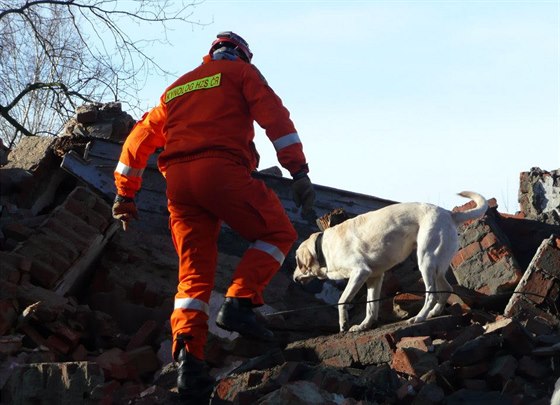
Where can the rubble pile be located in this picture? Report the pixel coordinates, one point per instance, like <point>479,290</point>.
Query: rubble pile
<point>84,306</point>
<point>106,121</point>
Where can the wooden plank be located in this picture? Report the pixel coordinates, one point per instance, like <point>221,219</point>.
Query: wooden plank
<point>73,277</point>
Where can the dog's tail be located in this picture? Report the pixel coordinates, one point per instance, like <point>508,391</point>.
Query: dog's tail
<point>473,213</point>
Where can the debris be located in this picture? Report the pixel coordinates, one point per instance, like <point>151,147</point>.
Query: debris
<point>84,308</point>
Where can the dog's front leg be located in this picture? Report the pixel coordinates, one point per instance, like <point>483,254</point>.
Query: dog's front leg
<point>372,306</point>
<point>357,279</point>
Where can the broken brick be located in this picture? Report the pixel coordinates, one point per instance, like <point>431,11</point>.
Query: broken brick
<point>403,361</point>
<point>531,367</point>
<point>475,350</point>
<point>143,336</point>
<point>422,343</point>
<point>501,369</point>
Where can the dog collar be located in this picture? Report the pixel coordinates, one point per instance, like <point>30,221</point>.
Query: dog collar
<point>319,250</point>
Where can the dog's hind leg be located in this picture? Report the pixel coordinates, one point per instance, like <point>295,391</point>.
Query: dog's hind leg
<point>372,307</point>
<point>442,287</point>
<point>435,251</point>
<point>355,282</point>
<point>427,264</point>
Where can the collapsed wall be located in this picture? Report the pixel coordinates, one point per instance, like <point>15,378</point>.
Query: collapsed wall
<point>109,352</point>
<point>539,195</point>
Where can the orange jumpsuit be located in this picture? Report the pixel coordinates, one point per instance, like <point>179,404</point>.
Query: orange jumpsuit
<point>204,122</point>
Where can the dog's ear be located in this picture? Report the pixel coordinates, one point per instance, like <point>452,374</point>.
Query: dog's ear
<point>304,259</point>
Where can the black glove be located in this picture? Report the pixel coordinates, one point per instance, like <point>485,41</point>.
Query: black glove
<point>124,209</point>
<point>304,194</point>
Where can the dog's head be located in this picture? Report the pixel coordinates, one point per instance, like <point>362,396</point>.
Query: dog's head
<point>307,265</point>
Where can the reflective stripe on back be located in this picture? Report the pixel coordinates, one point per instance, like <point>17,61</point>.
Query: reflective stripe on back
<point>270,249</point>
<point>192,303</point>
<point>286,140</point>
<point>199,84</point>
<point>128,171</point>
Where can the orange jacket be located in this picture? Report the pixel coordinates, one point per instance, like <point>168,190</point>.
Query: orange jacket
<point>210,112</point>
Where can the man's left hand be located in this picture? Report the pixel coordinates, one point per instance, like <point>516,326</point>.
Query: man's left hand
<point>304,194</point>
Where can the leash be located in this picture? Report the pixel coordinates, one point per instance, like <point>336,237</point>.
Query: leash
<point>321,306</point>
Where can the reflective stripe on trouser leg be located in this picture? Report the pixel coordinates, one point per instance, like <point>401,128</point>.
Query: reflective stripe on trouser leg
<point>194,235</point>
<point>255,270</point>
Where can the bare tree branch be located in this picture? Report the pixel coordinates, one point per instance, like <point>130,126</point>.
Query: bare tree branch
<point>57,53</point>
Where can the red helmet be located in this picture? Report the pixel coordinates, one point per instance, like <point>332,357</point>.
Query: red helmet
<point>239,44</point>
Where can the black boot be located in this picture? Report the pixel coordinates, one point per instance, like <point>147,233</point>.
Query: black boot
<point>236,315</point>
<point>193,381</point>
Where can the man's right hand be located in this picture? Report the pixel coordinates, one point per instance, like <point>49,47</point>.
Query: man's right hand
<point>124,209</point>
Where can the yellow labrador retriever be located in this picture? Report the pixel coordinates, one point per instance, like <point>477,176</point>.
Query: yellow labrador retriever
<point>363,248</point>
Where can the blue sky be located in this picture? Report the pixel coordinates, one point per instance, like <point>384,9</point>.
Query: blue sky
<point>402,100</point>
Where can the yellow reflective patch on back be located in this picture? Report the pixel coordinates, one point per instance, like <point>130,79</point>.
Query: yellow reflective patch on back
<point>199,84</point>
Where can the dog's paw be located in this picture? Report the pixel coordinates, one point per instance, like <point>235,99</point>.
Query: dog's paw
<point>357,328</point>
<point>415,319</point>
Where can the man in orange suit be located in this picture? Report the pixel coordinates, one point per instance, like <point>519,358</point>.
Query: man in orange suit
<point>204,122</point>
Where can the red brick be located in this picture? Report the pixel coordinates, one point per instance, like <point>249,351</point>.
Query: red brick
<point>72,336</point>
<point>108,392</point>
<point>56,225</point>
<point>489,240</point>
<point>8,315</point>
<point>537,286</point>
<point>475,350</point>
<point>477,385</point>
<point>405,390</point>
<point>289,371</point>
<point>76,225</point>
<point>86,214</point>
<point>137,292</point>
<point>403,361</point>
<point>423,343</point>
<point>114,362</point>
<point>228,388</point>
<point>530,367</point>
<point>517,339</point>
<point>42,275</point>
<point>406,298</point>
<point>539,326</point>
<point>151,299</point>
<point>80,353</point>
<point>469,251</point>
<point>471,371</point>
<point>143,336</point>
<point>466,334</point>
<point>17,231</point>
<point>521,309</point>
<point>58,345</point>
<point>15,261</point>
<point>548,258</point>
<point>10,344</point>
<point>142,360</point>
<point>501,370</point>
<point>494,254</point>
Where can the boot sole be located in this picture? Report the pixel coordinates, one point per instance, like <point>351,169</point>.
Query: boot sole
<point>245,334</point>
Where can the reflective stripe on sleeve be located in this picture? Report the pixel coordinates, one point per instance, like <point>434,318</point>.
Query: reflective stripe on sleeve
<point>192,303</point>
<point>270,249</point>
<point>286,140</point>
<point>128,171</point>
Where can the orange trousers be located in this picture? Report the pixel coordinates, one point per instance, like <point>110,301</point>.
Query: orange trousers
<point>201,194</point>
